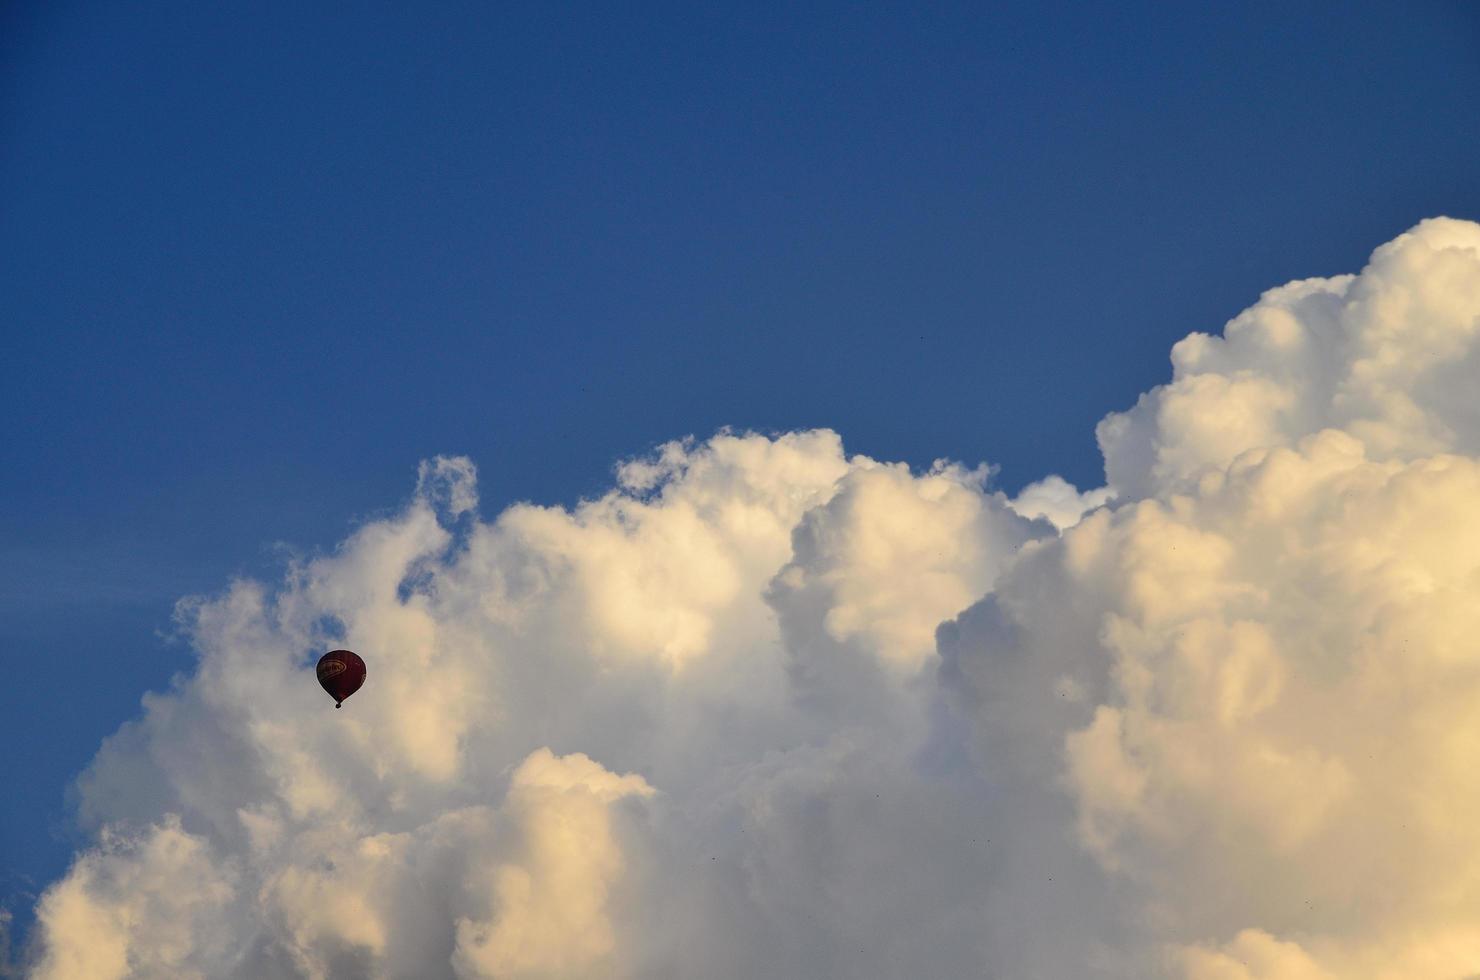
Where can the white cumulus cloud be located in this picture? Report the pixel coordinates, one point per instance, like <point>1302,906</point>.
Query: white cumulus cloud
<point>766,709</point>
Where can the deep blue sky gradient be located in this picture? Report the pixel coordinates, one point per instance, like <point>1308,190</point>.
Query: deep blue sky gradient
<point>257,260</point>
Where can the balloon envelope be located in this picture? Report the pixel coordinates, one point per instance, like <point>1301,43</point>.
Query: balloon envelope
<point>341,672</point>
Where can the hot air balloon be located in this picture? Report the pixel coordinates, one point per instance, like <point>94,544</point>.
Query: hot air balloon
<point>341,672</point>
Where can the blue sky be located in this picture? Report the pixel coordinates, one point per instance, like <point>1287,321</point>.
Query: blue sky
<point>258,260</point>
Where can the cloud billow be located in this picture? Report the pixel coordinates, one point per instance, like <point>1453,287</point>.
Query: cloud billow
<point>766,709</point>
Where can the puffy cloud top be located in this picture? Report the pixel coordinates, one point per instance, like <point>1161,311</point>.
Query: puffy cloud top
<point>765,709</point>
<point>1388,356</point>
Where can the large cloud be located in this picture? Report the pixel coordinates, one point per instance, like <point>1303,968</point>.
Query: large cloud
<point>768,710</point>
<point>1257,678</point>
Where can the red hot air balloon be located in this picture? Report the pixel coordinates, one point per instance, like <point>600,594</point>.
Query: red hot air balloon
<point>341,672</point>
